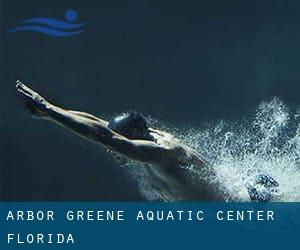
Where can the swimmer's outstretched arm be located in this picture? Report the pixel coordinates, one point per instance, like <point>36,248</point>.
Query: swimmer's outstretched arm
<point>95,129</point>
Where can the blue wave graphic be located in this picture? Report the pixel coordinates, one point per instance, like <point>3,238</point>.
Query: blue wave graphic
<point>53,27</point>
<point>53,23</point>
<point>47,31</point>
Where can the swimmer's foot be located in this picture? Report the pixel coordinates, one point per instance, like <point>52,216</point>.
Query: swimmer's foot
<point>34,103</point>
<point>263,188</point>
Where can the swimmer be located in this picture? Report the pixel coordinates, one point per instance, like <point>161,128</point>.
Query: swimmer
<point>129,136</point>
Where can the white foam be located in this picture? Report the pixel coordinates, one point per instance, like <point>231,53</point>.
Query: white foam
<point>268,142</point>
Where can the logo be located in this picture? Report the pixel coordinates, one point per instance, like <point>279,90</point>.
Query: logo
<point>53,27</point>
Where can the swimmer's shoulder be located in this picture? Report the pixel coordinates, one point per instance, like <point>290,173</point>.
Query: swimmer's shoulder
<point>185,155</point>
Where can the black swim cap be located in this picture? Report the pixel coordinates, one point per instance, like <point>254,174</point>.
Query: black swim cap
<point>132,125</point>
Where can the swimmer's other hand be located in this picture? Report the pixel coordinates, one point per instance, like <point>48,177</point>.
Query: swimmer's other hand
<point>34,103</point>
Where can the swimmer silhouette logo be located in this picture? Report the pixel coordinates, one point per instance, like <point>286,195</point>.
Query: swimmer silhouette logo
<point>53,27</point>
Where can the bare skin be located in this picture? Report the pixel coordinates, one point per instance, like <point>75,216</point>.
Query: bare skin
<point>166,157</point>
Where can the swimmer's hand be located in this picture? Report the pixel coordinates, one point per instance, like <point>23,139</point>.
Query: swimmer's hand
<point>35,103</point>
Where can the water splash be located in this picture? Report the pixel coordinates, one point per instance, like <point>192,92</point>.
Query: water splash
<point>267,142</point>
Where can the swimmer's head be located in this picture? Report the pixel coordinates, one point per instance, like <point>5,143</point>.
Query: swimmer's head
<point>132,125</point>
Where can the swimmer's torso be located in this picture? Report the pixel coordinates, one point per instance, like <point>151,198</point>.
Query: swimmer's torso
<point>177,179</point>
<point>180,183</point>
